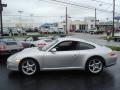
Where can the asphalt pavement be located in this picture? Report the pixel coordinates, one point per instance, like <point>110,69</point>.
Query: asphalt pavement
<point>109,79</point>
<point>95,39</point>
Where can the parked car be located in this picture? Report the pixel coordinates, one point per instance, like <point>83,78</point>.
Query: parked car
<point>63,54</point>
<point>35,41</point>
<point>21,32</point>
<point>61,31</point>
<point>9,45</point>
<point>5,32</point>
<point>93,31</point>
<point>77,30</point>
<point>116,37</point>
<point>15,32</point>
<point>44,31</point>
<point>57,36</point>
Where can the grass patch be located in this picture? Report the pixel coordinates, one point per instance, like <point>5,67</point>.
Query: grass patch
<point>116,48</point>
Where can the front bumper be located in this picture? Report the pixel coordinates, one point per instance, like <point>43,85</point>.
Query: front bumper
<point>12,66</point>
<point>13,63</point>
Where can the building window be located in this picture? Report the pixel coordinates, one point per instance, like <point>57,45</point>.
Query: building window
<point>92,26</point>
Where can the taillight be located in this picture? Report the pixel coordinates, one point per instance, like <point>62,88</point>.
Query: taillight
<point>111,54</point>
<point>21,45</point>
<point>2,47</point>
<point>41,44</point>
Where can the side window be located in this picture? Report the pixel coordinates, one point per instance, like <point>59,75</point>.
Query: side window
<point>85,46</point>
<point>66,46</point>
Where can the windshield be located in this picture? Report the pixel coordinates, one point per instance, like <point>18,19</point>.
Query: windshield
<point>49,45</point>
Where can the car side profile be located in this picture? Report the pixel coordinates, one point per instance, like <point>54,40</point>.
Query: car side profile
<point>63,54</point>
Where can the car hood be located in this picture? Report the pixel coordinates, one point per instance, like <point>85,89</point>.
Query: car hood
<point>31,50</point>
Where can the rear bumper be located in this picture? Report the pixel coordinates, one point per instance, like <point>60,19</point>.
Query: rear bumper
<point>111,61</point>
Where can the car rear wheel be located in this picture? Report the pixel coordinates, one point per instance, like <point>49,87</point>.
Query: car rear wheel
<point>94,66</point>
<point>29,67</point>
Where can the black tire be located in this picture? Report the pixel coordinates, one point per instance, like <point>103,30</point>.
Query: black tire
<point>89,68</point>
<point>32,68</point>
<point>32,45</point>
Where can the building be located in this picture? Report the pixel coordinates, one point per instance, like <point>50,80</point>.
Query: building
<point>87,24</point>
<point>78,25</point>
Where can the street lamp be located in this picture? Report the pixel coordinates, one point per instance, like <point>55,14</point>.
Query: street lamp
<point>31,15</point>
<point>20,18</point>
<point>96,26</point>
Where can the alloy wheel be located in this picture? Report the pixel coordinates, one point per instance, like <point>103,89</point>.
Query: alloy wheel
<point>28,67</point>
<point>95,66</point>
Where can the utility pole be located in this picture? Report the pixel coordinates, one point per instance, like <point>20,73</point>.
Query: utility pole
<point>31,15</point>
<point>1,9</point>
<point>20,18</point>
<point>95,18</point>
<point>107,22</point>
<point>66,22</point>
<point>20,13</point>
<point>113,18</point>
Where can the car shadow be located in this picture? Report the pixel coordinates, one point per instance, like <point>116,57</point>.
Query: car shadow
<point>64,80</point>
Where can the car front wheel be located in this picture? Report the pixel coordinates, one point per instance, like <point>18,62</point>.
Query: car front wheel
<point>94,66</point>
<point>28,67</point>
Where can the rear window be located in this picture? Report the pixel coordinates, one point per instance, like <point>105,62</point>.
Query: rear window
<point>85,46</point>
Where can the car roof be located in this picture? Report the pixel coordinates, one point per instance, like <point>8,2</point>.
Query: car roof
<point>76,39</point>
<point>70,38</point>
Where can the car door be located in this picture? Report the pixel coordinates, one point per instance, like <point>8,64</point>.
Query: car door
<point>62,59</point>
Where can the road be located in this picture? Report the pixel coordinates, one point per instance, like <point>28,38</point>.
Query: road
<point>109,79</point>
<point>92,38</point>
<point>95,39</point>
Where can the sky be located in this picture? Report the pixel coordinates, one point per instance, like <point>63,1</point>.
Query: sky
<point>43,11</point>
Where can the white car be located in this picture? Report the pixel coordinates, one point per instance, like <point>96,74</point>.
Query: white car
<point>35,41</point>
<point>63,54</point>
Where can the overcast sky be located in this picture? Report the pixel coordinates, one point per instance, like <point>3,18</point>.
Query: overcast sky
<point>50,11</point>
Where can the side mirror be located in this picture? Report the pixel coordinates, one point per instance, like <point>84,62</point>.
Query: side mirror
<point>53,50</point>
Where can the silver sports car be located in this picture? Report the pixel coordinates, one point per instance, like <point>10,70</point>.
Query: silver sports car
<point>63,54</point>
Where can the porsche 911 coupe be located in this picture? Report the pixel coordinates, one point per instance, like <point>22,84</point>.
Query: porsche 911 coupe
<point>63,54</point>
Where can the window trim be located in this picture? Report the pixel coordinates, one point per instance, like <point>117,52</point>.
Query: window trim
<point>64,41</point>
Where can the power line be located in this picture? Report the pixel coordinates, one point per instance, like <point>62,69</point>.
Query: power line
<point>72,4</point>
<point>104,2</point>
<point>29,16</point>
